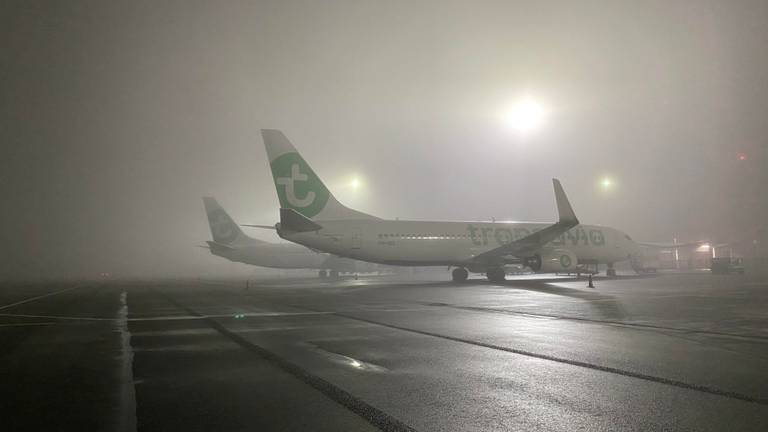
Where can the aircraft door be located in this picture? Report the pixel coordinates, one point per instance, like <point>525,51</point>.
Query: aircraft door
<point>355,238</point>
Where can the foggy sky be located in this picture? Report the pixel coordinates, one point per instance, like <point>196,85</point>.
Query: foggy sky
<point>116,117</point>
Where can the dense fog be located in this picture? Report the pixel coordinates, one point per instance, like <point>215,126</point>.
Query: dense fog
<point>117,117</point>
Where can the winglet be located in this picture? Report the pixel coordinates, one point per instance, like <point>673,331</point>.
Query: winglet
<point>564,209</point>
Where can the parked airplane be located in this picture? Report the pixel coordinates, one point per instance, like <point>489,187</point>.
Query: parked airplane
<point>311,215</point>
<point>231,243</point>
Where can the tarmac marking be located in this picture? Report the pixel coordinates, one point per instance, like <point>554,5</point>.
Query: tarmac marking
<point>58,317</point>
<point>646,377</point>
<point>27,324</point>
<point>31,299</point>
<point>596,321</point>
<point>127,421</point>
<point>371,414</point>
<point>167,318</point>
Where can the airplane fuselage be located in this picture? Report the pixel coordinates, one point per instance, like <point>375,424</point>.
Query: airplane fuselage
<point>423,243</point>
<point>282,256</point>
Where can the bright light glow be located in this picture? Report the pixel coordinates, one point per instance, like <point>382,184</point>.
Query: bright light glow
<point>606,183</point>
<point>355,183</point>
<point>703,248</point>
<point>525,116</point>
<point>742,156</point>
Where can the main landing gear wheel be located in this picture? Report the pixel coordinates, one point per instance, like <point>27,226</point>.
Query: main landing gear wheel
<point>611,272</point>
<point>460,274</point>
<point>496,274</point>
<point>334,274</point>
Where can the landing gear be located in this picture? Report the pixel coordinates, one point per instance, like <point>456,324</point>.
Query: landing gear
<point>460,274</point>
<point>334,274</point>
<point>610,272</point>
<point>322,274</point>
<point>496,274</point>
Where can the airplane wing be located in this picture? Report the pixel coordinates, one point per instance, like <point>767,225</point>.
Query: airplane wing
<point>527,245</point>
<point>677,245</point>
<point>271,227</point>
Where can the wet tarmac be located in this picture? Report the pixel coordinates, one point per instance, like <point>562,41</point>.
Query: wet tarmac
<point>672,352</point>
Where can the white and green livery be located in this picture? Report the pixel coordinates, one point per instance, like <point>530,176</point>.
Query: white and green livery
<point>310,215</point>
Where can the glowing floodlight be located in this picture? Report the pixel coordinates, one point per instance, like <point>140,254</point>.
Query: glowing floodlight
<point>606,183</point>
<point>525,116</point>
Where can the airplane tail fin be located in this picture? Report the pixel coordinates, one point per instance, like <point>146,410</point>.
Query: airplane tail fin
<point>223,229</point>
<point>298,187</point>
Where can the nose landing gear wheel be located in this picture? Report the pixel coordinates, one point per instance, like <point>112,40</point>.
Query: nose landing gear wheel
<point>460,274</point>
<point>496,274</point>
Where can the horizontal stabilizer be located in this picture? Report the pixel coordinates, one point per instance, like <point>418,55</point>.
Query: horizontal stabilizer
<point>293,221</point>
<point>215,245</point>
<point>270,227</point>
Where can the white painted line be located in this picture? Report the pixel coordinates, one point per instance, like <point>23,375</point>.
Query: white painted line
<point>57,317</point>
<point>228,315</point>
<point>127,421</point>
<point>38,297</point>
<point>168,317</point>
<point>27,324</point>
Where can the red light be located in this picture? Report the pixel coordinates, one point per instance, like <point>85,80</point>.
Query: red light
<point>742,156</point>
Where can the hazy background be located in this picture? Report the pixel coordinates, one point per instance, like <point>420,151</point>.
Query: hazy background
<point>116,117</point>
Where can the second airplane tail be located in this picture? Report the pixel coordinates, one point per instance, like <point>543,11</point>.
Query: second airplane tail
<point>223,229</point>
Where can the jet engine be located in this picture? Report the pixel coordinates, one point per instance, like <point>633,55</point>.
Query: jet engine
<point>553,261</point>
